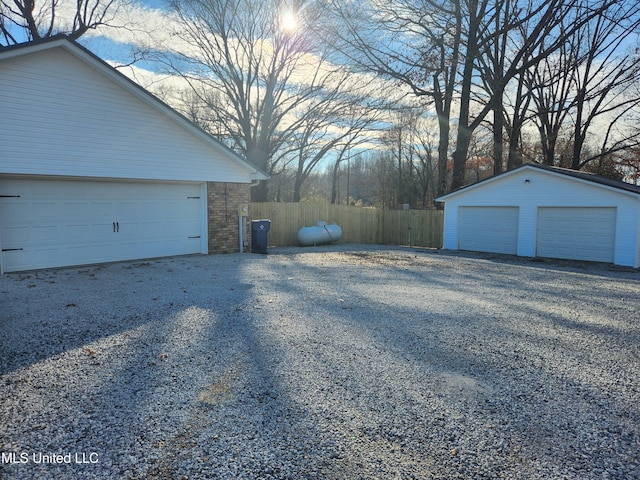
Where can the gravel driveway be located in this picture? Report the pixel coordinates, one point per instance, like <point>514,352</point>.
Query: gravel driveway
<point>338,362</point>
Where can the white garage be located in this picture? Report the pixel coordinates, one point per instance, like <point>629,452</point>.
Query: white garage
<point>96,169</point>
<point>541,211</point>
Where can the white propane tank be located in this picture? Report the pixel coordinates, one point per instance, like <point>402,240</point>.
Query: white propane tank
<point>318,234</point>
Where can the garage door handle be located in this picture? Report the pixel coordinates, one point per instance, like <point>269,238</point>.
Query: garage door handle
<point>114,227</point>
<point>117,227</point>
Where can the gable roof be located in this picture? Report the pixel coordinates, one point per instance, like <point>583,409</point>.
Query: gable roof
<point>83,54</point>
<point>581,176</point>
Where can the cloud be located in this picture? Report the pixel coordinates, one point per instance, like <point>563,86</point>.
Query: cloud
<point>143,28</point>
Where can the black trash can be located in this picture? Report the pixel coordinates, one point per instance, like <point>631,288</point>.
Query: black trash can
<point>260,235</point>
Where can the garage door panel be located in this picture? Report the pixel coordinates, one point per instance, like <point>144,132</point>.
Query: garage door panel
<point>41,236</point>
<point>79,233</point>
<point>57,223</point>
<point>576,233</point>
<point>18,211</point>
<point>101,209</point>
<point>488,229</point>
<point>78,211</point>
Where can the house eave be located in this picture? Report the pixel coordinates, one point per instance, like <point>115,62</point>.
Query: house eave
<point>558,172</point>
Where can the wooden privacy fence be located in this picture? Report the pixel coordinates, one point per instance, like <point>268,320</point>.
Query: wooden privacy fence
<point>419,228</point>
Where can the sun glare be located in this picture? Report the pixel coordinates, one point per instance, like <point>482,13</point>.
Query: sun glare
<point>289,21</point>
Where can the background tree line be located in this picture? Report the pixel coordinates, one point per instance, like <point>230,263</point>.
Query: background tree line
<point>386,103</point>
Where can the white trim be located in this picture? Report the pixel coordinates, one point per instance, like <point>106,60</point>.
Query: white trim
<point>204,221</point>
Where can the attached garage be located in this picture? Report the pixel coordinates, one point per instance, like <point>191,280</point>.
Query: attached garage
<point>96,169</point>
<point>50,223</point>
<point>542,211</point>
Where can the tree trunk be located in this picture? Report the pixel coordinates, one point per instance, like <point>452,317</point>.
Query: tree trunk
<point>334,183</point>
<point>514,159</point>
<point>464,130</point>
<point>297,188</point>
<point>460,156</point>
<point>498,93</point>
<point>259,159</point>
<point>498,142</point>
<point>443,154</point>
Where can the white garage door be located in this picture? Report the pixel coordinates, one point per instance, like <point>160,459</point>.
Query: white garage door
<point>488,229</point>
<point>51,223</point>
<point>576,233</point>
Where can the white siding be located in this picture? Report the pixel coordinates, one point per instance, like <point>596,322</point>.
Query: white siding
<point>61,116</point>
<point>548,189</point>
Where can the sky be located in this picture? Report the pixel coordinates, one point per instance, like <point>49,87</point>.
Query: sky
<point>115,45</point>
<point>147,23</point>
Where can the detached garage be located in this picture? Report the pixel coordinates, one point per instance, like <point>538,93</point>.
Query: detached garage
<point>541,211</point>
<point>96,169</point>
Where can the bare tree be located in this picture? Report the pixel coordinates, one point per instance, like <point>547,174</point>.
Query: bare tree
<point>343,154</point>
<point>337,122</point>
<point>550,84</point>
<point>545,31</point>
<point>401,142</point>
<point>605,77</point>
<point>427,172</point>
<point>630,164</point>
<point>29,20</point>
<point>267,82</point>
<point>381,171</point>
<point>240,62</point>
<point>414,43</point>
<point>588,85</point>
<point>516,114</point>
<point>478,38</point>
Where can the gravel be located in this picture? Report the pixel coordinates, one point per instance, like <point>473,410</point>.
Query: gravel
<point>343,361</point>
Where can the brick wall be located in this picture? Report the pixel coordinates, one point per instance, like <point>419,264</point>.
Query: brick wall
<point>222,212</point>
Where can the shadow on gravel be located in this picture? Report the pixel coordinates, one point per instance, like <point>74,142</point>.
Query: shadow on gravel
<point>546,264</point>
<point>489,382</point>
<point>389,363</point>
<point>46,313</point>
<point>590,268</point>
<point>162,368</point>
